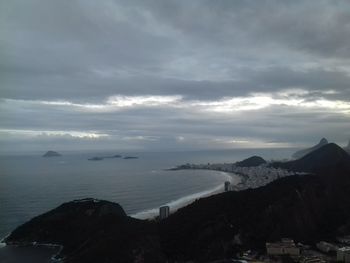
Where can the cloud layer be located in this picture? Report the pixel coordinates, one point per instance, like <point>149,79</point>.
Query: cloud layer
<point>173,74</point>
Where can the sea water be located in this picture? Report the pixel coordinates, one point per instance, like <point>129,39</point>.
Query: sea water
<point>31,184</point>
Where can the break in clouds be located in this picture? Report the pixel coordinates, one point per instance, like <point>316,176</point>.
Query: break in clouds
<point>173,74</point>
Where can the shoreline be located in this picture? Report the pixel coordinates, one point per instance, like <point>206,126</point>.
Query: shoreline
<point>149,214</point>
<point>152,213</point>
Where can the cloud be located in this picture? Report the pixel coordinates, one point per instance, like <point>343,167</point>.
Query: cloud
<point>159,122</point>
<point>173,74</point>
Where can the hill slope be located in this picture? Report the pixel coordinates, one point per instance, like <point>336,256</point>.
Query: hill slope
<point>302,153</point>
<point>92,231</point>
<point>325,159</point>
<point>347,148</point>
<point>307,208</point>
<point>251,162</point>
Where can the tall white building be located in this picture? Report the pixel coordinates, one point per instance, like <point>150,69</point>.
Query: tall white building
<point>164,212</point>
<point>227,186</point>
<point>343,254</point>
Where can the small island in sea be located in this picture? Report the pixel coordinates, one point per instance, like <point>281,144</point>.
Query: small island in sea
<point>100,158</point>
<point>130,157</point>
<point>304,152</point>
<point>52,154</point>
<point>95,159</point>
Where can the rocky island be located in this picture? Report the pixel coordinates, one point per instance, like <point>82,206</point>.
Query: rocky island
<point>95,159</point>
<point>52,154</point>
<point>307,207</point>
<point>100,158</point>
<point>130,157</point>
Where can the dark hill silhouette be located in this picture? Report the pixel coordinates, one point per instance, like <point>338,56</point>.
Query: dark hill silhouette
<point>326,158</point>
<point>302,153</point>
<point>251,162</point>
<point>307,208</point>
<point>92,231</point>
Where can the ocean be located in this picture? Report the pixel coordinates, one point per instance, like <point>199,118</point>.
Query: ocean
<point>31,184</point>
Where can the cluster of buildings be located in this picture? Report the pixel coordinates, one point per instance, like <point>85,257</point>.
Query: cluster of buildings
<point>343,254</point>
<point>285,247</point>
<point>326,252</point>
<point>258,176</point>
<point>252,177</point>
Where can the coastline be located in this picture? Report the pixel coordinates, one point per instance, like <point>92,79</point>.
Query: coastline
<point>188,199</point>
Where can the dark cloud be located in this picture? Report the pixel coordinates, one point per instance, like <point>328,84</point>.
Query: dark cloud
<point>250,70</point>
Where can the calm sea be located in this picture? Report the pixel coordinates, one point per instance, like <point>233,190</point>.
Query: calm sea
<point>31,184</point>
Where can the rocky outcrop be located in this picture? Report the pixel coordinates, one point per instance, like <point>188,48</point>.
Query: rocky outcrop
<point>302,153</point>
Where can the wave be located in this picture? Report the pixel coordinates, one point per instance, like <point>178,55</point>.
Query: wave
<point>2,241</point>
<point>183,201</point>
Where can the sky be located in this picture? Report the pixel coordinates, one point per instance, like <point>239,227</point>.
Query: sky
<point>173,74</point>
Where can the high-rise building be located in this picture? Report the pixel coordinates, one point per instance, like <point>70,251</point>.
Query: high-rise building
<point>164,212</point>
<point>227,186</point>
<point>343,254</point>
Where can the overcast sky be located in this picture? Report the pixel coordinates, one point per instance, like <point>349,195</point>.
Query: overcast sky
<point>164,75</point>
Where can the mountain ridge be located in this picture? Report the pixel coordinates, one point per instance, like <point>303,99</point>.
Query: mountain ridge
<point>303,152</point>
<point>328,157</point>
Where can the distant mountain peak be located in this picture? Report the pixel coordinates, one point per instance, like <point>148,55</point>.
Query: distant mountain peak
<point>328,157</point>
<point>251,162</point>
<point>303,152</point>
<point>323,141</point>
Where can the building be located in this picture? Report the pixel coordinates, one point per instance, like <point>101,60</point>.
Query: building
<point>285,247</point>
<point>227,186</point>
<point>343,254</point>
<point>344,240</point>
<point>326,247</point>
<point>164,212</point>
